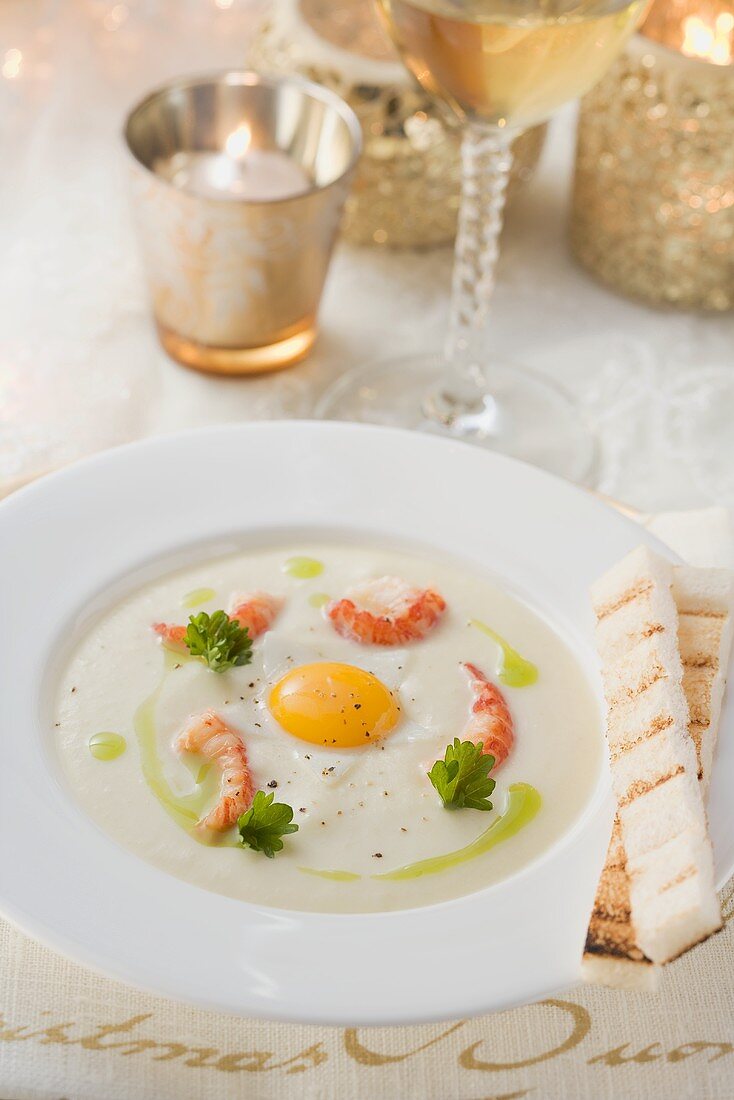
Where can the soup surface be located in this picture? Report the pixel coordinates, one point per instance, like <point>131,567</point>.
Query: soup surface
<point>373,833</point>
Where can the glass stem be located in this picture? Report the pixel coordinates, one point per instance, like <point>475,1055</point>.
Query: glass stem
<point>486,156</point>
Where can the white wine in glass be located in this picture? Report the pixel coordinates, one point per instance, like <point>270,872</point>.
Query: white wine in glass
<point>510,64</point>
<point>500,66</point>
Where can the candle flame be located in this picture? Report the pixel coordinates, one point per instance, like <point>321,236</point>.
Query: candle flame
<point>713,43</point>
<point>238,141</point>
<point>12,64</point>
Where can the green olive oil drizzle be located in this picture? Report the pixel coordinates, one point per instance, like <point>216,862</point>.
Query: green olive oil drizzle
<point>336,876</point>
<point>106,745</point>
<point>303,568</point>
<point>318,599</point>
<point>184,809</point>
<point>523,804</point>
<point>514,670</point>
<point>198,596</point>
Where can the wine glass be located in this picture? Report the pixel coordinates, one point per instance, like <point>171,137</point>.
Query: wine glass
<point>500,66</point>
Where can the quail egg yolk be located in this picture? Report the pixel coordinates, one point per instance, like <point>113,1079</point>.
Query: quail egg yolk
<point>334,705</point>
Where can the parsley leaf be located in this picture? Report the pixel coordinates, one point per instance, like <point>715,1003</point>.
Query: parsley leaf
<point>462,777</point>
<point>219,640</point>
<point>262,826</point>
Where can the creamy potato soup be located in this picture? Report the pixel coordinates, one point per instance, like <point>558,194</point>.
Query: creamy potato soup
<point>365,667</point>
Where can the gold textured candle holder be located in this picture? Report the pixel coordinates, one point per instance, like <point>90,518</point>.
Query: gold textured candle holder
<point>239,183</point>
<point>653,205</point>
<point>407,183</point>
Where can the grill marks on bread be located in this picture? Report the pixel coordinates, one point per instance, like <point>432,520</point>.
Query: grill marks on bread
<point>646,786</point>
<point>610,928</point>
<point>705,599</point>
<point>656,726</point>
<point>655,896</point>
<point>633,594</point>
<point>611,954</point>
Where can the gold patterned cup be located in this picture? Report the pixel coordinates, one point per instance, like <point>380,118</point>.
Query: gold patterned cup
<point>239,182</point>
<point>653,207</point>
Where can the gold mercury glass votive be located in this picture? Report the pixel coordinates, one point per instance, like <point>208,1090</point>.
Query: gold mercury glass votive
<point>239,181</point>
<point>653,206</point>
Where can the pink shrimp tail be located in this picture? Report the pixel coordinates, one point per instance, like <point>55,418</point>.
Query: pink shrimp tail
<point>255,612</point>
<point>409,614</point>
<point>215,740</point>
<point>171,634</point>
<point>491,722</point>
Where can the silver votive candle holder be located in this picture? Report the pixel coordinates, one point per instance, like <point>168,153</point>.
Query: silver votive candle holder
<point>239,182</point>
<point>653,206</point>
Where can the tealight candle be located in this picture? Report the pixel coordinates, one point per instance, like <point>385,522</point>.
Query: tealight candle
<point>653,211</point>
<point>238,171</point>
<point>705,30</point>
<point>239,182</point>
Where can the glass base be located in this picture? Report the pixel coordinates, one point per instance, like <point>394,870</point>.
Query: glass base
<point>236,361</point>
<point>526,417</point>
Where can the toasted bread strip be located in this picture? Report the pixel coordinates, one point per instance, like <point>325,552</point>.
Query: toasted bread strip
<point>669,862</point>
<point>705,603</point>
<point>611,955</point>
